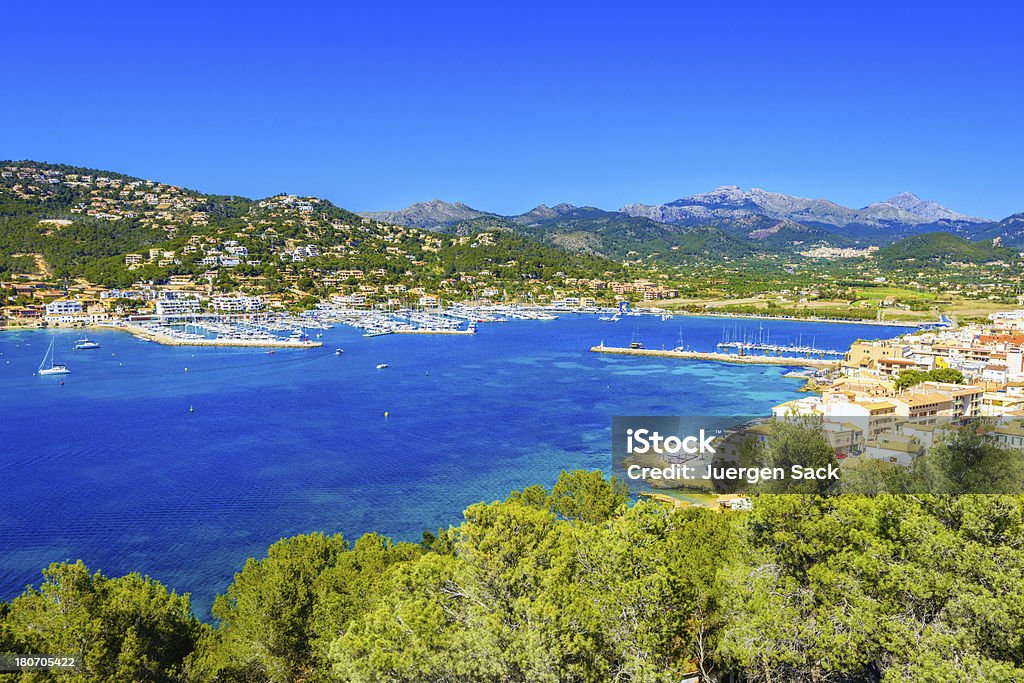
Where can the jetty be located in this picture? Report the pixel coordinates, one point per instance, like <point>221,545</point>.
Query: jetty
<point>421,330</point>
<point>154,335</point>
<point>817,363</point>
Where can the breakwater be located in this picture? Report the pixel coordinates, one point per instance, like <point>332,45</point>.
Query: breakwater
<point>817,363</point>
<point>167,340</point>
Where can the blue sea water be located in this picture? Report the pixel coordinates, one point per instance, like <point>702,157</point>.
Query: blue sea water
<point>111,466</point>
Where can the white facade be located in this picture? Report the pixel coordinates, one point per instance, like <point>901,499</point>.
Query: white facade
<point>63,307</point>
<point>177,306</point>
<point>236,304</point>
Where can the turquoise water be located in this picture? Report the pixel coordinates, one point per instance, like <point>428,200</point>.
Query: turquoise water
<point>113,468</point>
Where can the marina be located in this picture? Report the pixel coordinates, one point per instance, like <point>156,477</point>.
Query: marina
<point>745,342</point>
<point>457,319</point>
<point>215,333</point>
<point>281,329</point>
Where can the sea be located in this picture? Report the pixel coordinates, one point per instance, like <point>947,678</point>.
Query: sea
<point>181,462</point>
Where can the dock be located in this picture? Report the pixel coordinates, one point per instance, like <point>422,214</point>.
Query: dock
<point>817,363</point>
<point>421,330</point>
<point>166,340</point>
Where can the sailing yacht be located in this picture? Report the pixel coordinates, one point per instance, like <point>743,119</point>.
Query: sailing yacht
<point>53,368</point>
<point>636,343</point>
<point>680,346</point>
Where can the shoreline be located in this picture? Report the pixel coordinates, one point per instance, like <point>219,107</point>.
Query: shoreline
<point>818,364</point>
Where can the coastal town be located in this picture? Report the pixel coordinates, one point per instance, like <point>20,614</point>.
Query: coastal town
<point>290,251</point>
<point>888,400</point>
<point>891,400</point>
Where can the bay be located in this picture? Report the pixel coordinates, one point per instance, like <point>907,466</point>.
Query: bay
<point>133,463</point>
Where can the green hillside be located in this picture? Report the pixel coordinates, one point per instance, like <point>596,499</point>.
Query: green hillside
<point>942,248</point>
<point>617,236</point>
<point>61,221</point>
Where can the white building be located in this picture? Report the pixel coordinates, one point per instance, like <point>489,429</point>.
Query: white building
<point>64,307</point>
<point>354,299</point>
<point>236,304</point>
<point>184,306</point>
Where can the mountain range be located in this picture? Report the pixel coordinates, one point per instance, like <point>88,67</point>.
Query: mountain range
<point>727,221</point>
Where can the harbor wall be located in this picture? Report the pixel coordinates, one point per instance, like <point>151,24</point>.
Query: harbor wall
<point>817,363</point>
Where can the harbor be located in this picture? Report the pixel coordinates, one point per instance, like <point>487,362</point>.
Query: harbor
<point>457,319</point>
<point>745,342</point>
<point>329,408</point>
<point>283,329</point>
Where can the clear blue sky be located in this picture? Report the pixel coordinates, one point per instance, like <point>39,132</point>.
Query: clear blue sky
<point>505,105</point>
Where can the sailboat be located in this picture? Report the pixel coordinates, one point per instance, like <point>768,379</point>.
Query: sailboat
<point>636,343</point>
<point>53,368</point>
<point>680,346</point>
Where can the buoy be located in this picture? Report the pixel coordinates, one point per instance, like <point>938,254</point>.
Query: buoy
<point>386,414</point>
<point>186,369</point>
<point>191,409</point>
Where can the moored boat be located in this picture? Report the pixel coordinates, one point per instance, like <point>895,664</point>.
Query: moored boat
<point>54,368</point>
<point>86,343</point>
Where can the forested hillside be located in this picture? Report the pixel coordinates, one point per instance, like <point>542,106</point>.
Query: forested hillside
<point>110,229</point>
<point>573,584</point>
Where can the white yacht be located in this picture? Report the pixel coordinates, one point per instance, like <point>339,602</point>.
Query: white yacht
<point>49,366</point>
<point>86,343</point>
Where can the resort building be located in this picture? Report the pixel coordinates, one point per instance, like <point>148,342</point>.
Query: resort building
<point>64,307</point>
<point>177,306</point>
<point>236,304</point>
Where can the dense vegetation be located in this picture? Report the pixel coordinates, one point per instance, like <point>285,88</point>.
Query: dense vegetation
<point>617,236</point>
<point>574,584</point>
<point>942,247</point>
<point>908,378</point>
<point>81,226</point>
<point>51,221</point>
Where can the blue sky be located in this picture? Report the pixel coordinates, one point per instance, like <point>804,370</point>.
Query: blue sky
<point>506,105</point>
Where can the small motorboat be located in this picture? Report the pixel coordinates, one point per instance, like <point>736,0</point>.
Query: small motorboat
<point>381,366</point>
<point>338,352</point>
